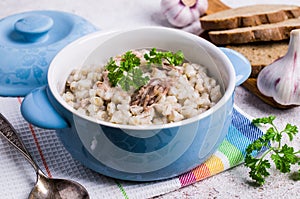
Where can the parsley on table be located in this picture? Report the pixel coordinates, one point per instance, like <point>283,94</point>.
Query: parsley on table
<point>282,155</point>
<point>129,73</point>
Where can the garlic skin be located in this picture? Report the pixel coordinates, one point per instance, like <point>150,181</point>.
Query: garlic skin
<point>281,79</point>
<point>181,13</point>
<point>194,28</point>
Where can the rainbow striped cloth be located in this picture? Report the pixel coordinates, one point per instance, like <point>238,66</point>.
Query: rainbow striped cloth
<point>55,161</point>
<point>230,153</point>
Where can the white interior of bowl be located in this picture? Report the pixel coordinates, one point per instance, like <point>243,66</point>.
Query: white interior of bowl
<point>98,47</point>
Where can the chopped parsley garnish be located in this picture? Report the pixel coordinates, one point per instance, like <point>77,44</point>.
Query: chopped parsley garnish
<point>157,57</point>
<point>129,73</point>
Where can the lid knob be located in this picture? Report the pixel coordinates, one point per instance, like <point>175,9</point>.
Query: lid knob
<point>34,27</point>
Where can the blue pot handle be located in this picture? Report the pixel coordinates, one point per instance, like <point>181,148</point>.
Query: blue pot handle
<point>240,63</point>
<point>38,110</point>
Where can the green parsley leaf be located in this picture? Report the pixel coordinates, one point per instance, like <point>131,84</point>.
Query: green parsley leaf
<point>264,120</point>
<point>290,130</point>
<point>129,61</point>
<point>115,73</point>
<point>258,168</point>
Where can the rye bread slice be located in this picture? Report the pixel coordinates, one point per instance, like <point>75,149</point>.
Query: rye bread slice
<point>261,54</point>
<point>266,32</point>
<point>249,16</point>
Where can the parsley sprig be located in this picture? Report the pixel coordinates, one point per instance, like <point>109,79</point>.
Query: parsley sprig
<point>129,74</point>
<point>282,155</point>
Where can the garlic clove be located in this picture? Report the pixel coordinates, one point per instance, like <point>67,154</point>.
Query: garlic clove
<point>181,13</point>
<point>194,28</point>
<point>281,79</point>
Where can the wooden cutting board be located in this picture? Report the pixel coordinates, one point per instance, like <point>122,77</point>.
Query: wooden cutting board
<point>215,6</point>
<point>250,84</point>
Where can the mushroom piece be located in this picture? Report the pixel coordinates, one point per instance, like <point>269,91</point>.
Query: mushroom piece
<point>150,93</point>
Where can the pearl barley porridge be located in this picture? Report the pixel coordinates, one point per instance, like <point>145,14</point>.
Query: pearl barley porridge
<point>142,87</point>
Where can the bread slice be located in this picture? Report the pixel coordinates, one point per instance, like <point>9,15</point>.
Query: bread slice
<point>261,54</point>
<point>266,32</point>
<point>249,16</point>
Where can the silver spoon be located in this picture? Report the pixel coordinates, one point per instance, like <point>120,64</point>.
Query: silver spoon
<point>45,187</point>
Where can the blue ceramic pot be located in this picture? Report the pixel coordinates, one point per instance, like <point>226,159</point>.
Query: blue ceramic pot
<point>139,153</point>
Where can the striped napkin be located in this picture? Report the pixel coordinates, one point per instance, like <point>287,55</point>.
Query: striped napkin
<point>17,177</point>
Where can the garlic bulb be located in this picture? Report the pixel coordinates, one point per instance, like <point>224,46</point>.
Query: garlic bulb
<point>181,13</point>
<point>281,79</point>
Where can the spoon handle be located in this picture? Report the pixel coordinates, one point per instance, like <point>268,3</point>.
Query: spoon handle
<point>9,132</point>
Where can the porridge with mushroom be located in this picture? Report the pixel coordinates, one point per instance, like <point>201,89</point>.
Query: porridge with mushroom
<point>142,87</point>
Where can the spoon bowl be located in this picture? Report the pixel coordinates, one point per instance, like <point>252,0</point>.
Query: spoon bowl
<point>57,188</point>
<point>45,187</point>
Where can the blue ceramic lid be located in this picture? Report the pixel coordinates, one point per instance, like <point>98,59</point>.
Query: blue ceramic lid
<point>28,43</point>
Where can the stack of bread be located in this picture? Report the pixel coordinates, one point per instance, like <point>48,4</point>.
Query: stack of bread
<point>259,32</point>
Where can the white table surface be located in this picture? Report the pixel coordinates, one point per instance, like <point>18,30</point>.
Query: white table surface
<point>118,14</point>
